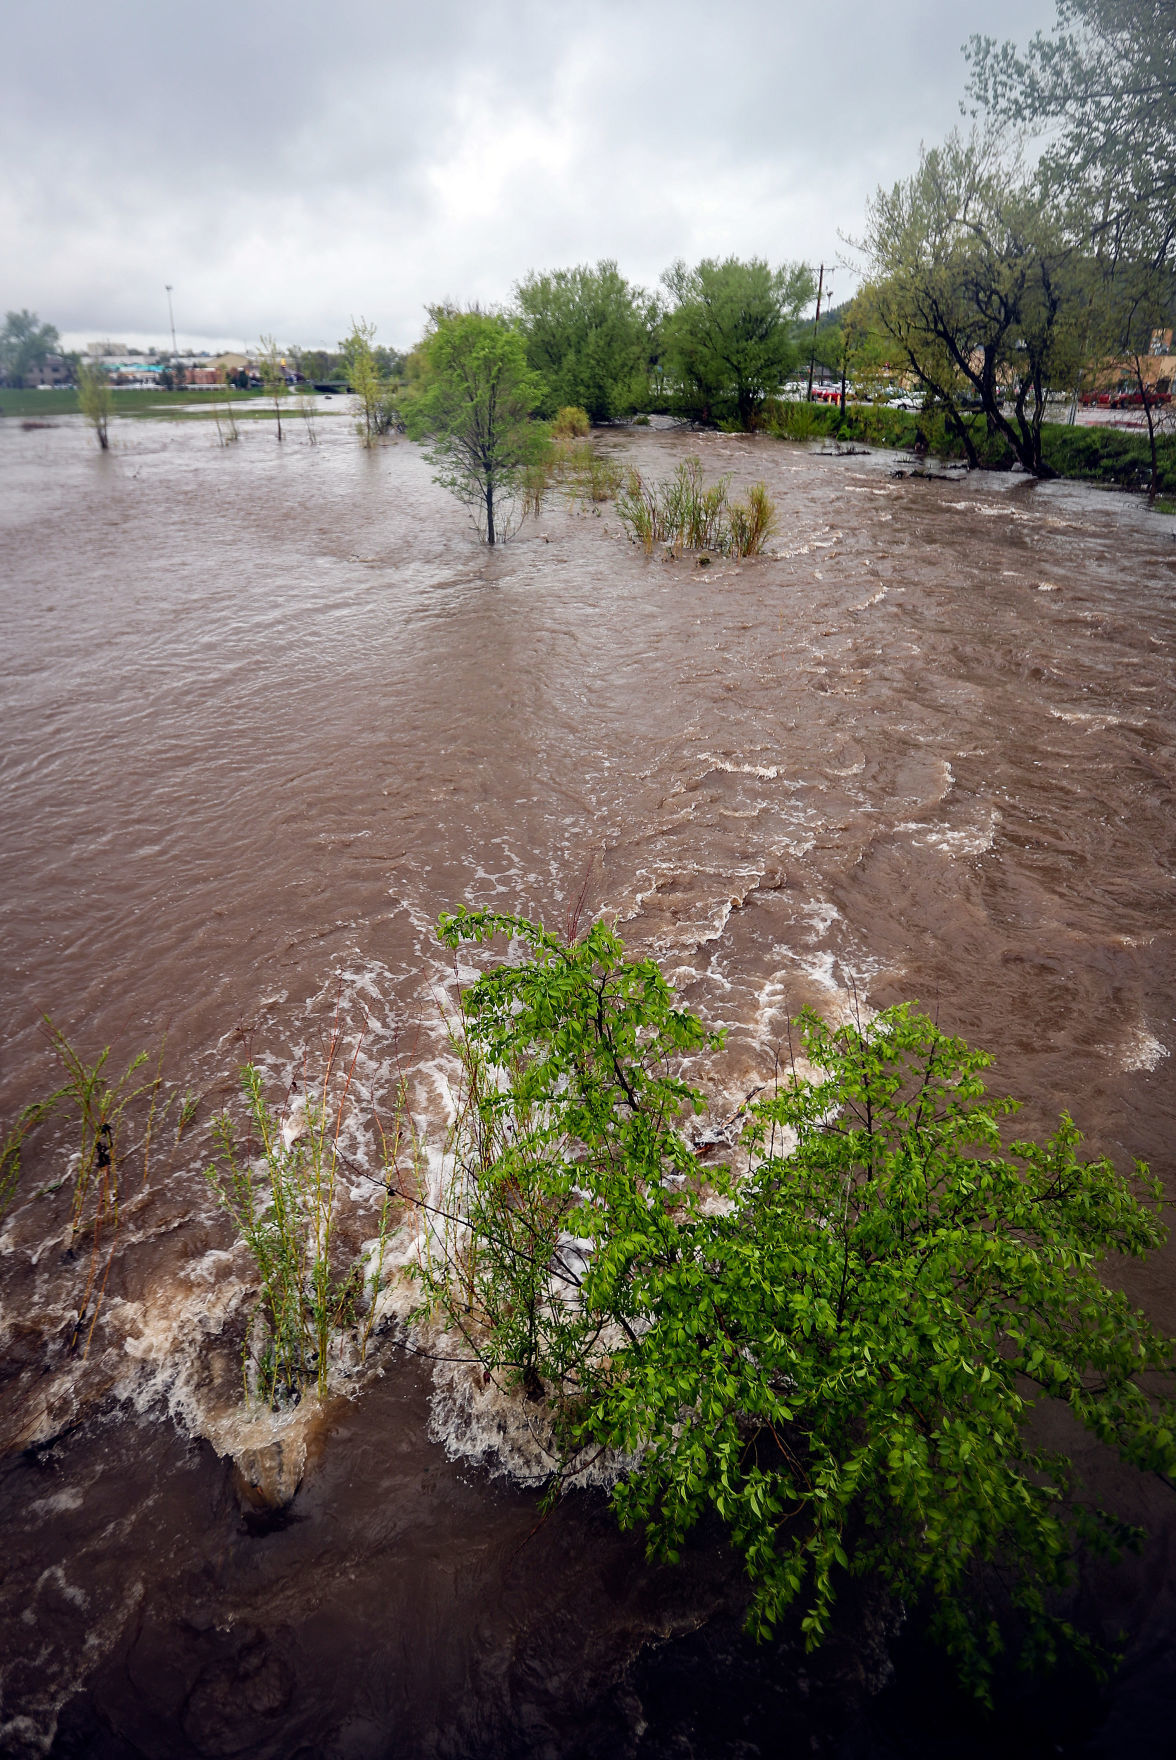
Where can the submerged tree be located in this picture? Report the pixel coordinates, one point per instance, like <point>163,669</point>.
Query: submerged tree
<point>370,383</point>
<point>471,401</point>
<point>95,399</point>
<point>728,339</point>
<point>271,365</point>
<point>839,1357</point>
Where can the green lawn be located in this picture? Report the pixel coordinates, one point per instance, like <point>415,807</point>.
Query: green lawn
<point>129,400</point>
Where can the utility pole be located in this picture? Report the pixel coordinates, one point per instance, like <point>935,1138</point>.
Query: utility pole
<point>816,321</point>
<point>171,317</point>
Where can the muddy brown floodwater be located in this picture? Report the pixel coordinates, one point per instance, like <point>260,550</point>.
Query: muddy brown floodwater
<point>268,710</point>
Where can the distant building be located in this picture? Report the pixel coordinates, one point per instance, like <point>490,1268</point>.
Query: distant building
<point>53,370</point>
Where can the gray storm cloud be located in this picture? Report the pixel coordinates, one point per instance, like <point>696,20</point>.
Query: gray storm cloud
<point>288,167</point>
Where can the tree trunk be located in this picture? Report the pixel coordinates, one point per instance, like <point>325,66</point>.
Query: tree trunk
<point>489,510</point>
<point>1149,418</point>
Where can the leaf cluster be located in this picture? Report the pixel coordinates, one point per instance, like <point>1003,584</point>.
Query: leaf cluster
<point>1102,87</point>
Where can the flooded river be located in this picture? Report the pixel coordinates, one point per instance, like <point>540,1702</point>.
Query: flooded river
<point>268,710</point>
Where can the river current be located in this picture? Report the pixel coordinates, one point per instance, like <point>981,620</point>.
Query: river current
<point>268,710</point>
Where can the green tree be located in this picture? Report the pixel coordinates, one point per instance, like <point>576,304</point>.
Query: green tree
<point>369,381</point>
<point>1134,300</point>
<point>471,398</point>
<point>982,287</point>
<point>24,344</point>
<point>95,398</point>
<point>589,335</point>
<point>728,340</point>
<point>1102,87</point>
<point>320,365</point>
<point>1101,91</point>
<point>837,1352</point>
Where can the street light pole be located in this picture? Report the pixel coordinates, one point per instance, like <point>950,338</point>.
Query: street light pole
<point>816,321</point>
<point>172,321</point>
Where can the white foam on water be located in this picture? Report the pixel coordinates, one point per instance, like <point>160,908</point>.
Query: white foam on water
<point>1093,722</point>
<point>874,599</point>
<point>767,772</point>
<point>1143,1051</point>
<point>963,840</point>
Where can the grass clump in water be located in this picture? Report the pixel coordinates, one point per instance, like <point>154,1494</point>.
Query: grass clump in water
<point>684,512</point>
<point>571,423</point>
<point>572,463</point>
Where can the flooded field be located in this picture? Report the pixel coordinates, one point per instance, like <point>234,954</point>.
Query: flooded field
<point>269,709</point>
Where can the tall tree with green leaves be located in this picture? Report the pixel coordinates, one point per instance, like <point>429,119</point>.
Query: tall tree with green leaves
<point>728,339</point>
<point>982,287</point>
<point>1100,90</point>
<point>471,395</point>
<point>589,334</point>
<point>1101,87</point>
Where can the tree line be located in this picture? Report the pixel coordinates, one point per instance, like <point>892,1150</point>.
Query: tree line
<point>995,282</point>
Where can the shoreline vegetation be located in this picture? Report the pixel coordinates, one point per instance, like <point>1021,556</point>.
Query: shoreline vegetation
<point>1112,457</point>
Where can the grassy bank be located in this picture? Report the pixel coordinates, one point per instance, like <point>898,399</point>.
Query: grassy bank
<point>1114,456</point>
<point>129,400</point>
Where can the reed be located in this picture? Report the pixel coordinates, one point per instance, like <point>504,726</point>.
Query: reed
<point>280,1185</point>
<point>571,463</point>
<point>113,1119</point>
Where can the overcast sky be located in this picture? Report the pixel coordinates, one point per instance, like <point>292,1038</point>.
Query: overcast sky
<point>288,165</point>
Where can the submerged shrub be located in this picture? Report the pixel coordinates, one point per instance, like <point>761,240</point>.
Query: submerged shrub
<point>280,1186</point>
<point>797,421</point>
<point>684,511</point>
<point>114,1118</point>
<point>839,1359</point>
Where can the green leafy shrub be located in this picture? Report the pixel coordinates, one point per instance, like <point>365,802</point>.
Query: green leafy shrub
<point>837,1352</point>
<point>798,421</point>
<point>566,1115</point>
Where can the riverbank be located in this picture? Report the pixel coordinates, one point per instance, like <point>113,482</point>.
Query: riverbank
<point>1114,457</point>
